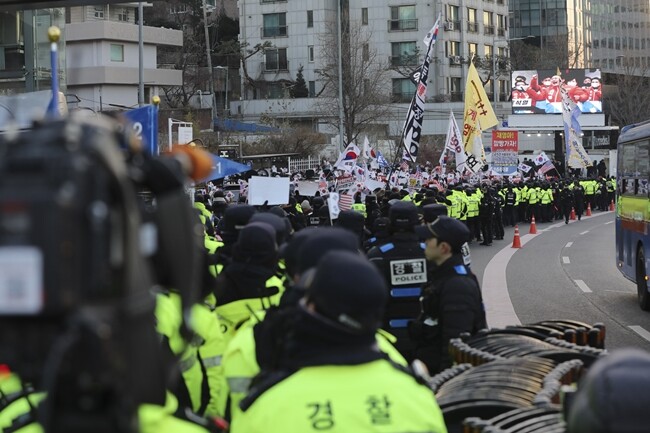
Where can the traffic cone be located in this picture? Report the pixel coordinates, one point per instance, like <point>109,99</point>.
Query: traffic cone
<point>533,227</point>
<point>572,217</point>
<point>588,209</point>
<point>516,242</point>
<point>611,205</point>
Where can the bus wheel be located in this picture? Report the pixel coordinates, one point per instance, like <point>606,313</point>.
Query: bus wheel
<point>641,283</point>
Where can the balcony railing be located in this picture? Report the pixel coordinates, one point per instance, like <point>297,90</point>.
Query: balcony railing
<point>402,25</point>
<point>488,29</point>
<point>501,31</point>
<point>403,97</point>
<point>456,96</point>
<point>472,27</point>
<point>275,67</point>
<point>403,60</point>
<point>274,32</point>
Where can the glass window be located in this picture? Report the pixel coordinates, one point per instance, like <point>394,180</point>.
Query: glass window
<point>487,50</point>
<point>628,157</point>
<point>276,60</point>
<point>274,25</point>
<point>364,16</point>
<point>312,89</point>
<point>403,89</point>
<point>403,18</point>
<point>403,53</point>
<point>472,49</point>
<point>117,53</point>
<point>452,13</point>
<point>643,159</point>
<point>310,53</point>
<point>310,19</point>
<point>99,12</point>
<point>365,52</point>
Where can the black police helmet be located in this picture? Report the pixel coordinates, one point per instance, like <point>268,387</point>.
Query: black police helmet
<point>403,215</point>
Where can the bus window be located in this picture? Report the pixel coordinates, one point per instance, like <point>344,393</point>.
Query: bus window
<point>629,157</point>
<point>642,159</point>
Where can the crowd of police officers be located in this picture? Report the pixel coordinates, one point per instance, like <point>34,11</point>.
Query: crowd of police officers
<point>306,323</point>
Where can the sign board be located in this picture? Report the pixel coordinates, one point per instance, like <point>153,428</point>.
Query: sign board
<point>144,121</point>
<point>505,150</point>
<point>273,190</point>
<point>185,134</point>
<point>307,188</point>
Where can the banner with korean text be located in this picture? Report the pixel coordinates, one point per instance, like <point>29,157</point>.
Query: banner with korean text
<point>505,150</point>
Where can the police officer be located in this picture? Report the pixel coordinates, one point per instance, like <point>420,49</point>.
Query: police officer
<point>329,374</point>
<point>452,303</point>
<point>400,258</point>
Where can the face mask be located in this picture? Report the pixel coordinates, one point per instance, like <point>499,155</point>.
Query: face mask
<point>595,85</point>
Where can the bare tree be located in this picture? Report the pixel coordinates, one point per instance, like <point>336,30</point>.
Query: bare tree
<point>628,94</point>
<point>366,84</point>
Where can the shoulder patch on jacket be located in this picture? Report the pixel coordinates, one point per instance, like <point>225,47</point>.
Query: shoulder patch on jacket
<point>460,270</point>
<point>386,247</point>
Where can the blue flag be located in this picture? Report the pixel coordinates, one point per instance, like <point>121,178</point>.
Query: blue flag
<point>222,167</point>
<point>381,160</point>
<point>144,121</point>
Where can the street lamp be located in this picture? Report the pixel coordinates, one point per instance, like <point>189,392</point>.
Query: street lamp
<point>494,62</point>
<point>225,106</point>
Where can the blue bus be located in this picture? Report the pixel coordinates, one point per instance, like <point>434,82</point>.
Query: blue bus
<point>633,207</point>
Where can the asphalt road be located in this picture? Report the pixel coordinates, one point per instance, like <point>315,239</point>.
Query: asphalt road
<point>563,272</point>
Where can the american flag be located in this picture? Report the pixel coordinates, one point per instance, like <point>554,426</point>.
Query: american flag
<point>404,165</point>
<point>345,201</point>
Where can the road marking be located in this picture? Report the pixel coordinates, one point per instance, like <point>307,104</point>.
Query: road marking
<point>585,232</point>
<point>498,306</point>
<point>583,286</point>
<point>566,260</point>
<point>642,332</point>
<point>568,245</point>
<point>609,222</point>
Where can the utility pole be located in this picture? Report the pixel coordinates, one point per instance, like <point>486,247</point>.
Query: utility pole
<point>140,56</point>
<point>208,52</point>
<point>342,144</point>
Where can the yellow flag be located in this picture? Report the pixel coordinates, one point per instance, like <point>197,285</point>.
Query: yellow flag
<point>478,111</point>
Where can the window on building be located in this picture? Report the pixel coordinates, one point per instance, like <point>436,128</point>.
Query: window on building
<point>403,53</point>
<point>453,13</point>
<point>502,51</point>
<point>364,16</point>
<point>276,60</point>
<point>99,12</point>
<point>501,25</point>
<point>403,18</point>
<point>310,53</point>
<point>454,89</point>
<point>365,52</point>
<point>275,91</point>
<point>311,86</point>
<point>488,24</point>
<point>310,19</point>
<point>472,49</point>
<point>472,23</point>
<point>488,50</point>
<point>178,8</point>
<point>275,25</point>
<point>123,15</point>
<point>403,89</point>
<point>117,53</point>
<point>453,48</point>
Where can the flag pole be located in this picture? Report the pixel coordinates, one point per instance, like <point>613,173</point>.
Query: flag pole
<point>54,34</point>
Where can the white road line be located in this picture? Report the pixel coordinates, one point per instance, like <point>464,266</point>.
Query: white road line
<point>642,332</point>
<point>498,306</point>
<point>610,222</point>
<point>566,260</point>
<point>583,286</point>
<point>568,245</point>
<point>585,232</point>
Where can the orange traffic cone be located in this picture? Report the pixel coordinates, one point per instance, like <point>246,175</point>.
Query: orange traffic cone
<point>516,242</point>
<point>533,227</point>
<point>572,217</point>
<point>611,205</point>
<point>588,209</point>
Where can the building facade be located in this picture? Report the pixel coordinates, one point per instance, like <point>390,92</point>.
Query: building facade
<point>102,61</point>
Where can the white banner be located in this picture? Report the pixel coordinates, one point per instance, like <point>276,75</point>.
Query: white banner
<point>274,190</point>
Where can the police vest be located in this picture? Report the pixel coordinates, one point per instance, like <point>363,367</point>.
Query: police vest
<point>375,396</point>
<point>361,208</point>
<point>510,198</point>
